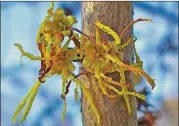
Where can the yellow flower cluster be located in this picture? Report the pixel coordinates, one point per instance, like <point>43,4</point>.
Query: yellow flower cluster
<point>98,57</point>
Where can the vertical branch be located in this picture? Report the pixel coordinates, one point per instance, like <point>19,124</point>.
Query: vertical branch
<point>113,112</point>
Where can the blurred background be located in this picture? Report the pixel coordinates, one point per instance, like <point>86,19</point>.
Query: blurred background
<point>157,46</point>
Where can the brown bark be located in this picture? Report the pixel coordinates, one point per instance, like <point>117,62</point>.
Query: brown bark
<point>113,112</point>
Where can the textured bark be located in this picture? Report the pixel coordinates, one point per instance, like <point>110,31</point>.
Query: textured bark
<point>113,112</point>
